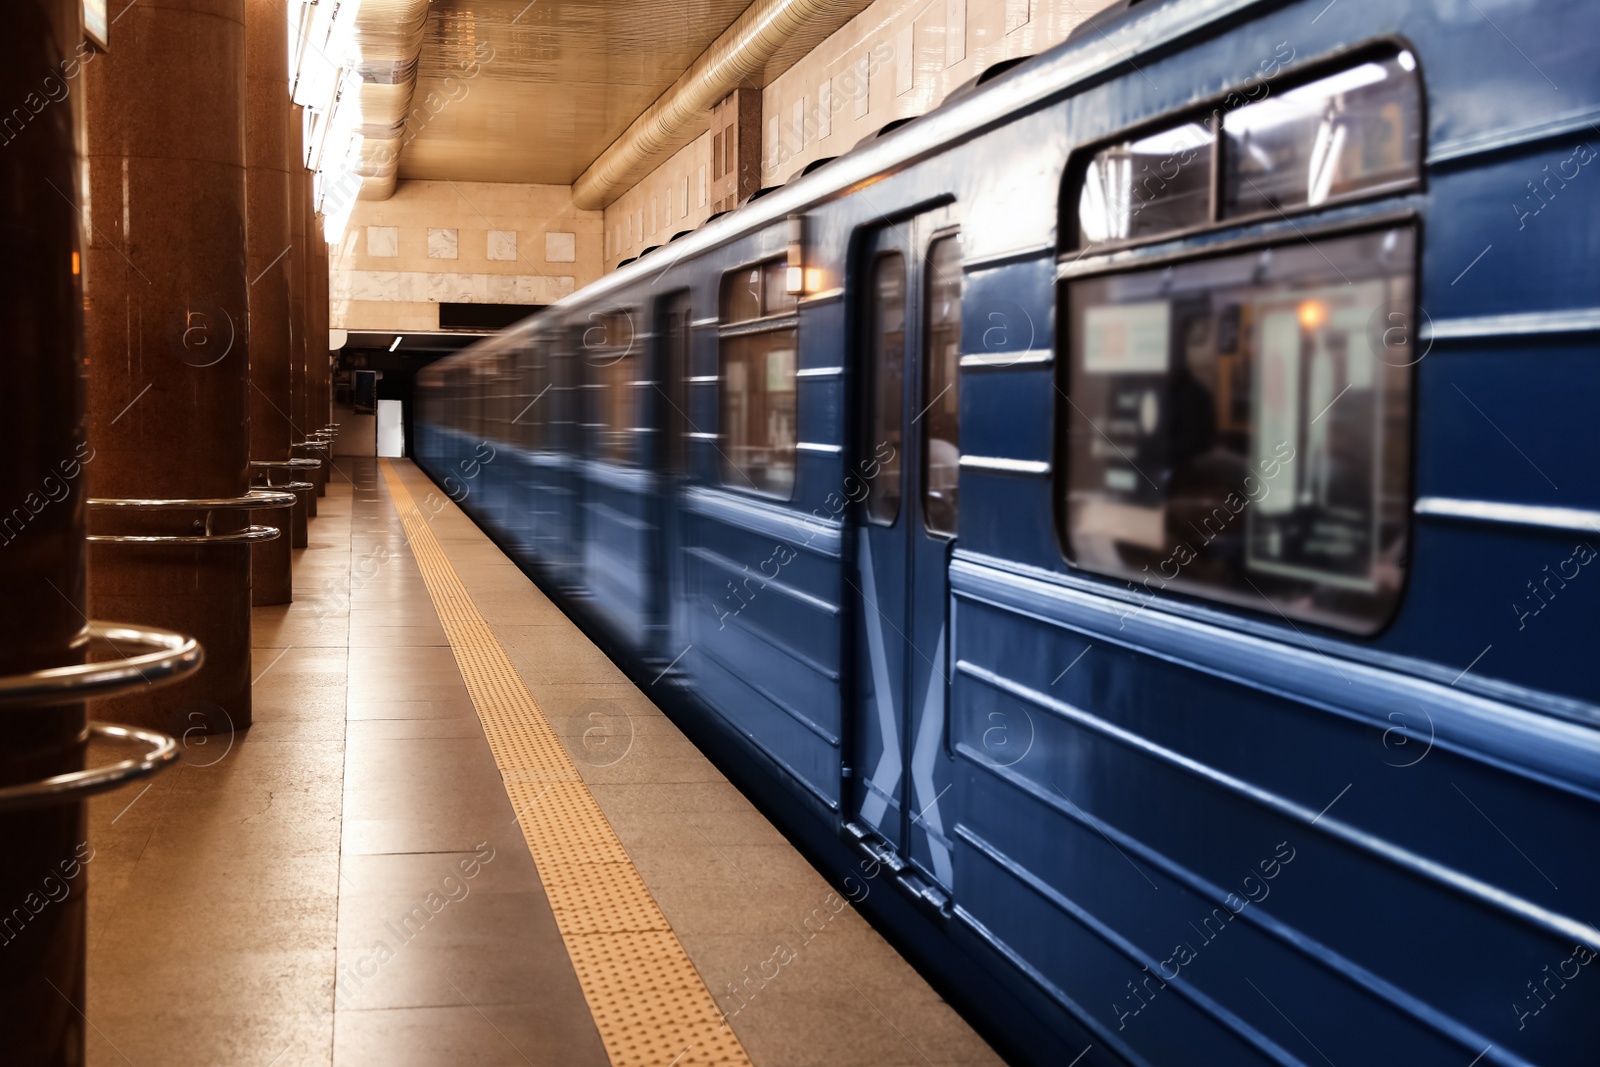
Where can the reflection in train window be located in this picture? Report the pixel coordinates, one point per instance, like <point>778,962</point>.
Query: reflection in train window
<point>1157,184</point>
<point>533,410</point>
<point>609,347</point>
<point>1354,132</point>
<point>888,378</point>
<point>758,350</point>
<point>675,334</point>
<point>1238,427</point>
<point>940,418</point>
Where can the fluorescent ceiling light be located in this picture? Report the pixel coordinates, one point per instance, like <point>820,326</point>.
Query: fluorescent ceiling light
<point>397,339</point>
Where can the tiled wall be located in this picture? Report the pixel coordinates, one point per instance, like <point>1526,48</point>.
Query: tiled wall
<point>468,242</point>
<point>895,59</point>
<point>673,198</point>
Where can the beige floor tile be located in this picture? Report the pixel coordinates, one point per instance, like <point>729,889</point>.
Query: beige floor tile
<point>229,901</point>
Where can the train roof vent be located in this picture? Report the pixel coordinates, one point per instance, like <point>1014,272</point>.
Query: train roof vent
<point>647,251</point>
<point>713,217</point>
<point>759,193</point>
<point>883,131</point>
<point>1108,16</point>
<point>989,74</point>
<point>815,164</point>
<point>625,262</point>
<point>680,233</point>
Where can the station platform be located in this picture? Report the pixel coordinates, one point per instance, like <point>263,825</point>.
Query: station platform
<point>457,833</point>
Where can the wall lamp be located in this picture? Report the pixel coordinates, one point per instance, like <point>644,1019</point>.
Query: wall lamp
<point>796,281</point>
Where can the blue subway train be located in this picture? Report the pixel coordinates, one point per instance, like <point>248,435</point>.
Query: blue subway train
<point>1132,525</point>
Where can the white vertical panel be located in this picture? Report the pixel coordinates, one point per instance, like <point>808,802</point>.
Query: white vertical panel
<point>702,185</point>
<point>905,61</point>
<point>825,108</point>
<point>863,85</point>
<point>391,429</point>
<point>1017,14</point>
<point>955,31</point>
<point>799,123</point>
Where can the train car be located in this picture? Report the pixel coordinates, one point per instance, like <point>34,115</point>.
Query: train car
<point>1131,524</point>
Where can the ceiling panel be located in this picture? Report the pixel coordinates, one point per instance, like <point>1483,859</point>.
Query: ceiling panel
<point>557,81</point>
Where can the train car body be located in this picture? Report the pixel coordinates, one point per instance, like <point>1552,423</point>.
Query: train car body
<point>1134,526</point>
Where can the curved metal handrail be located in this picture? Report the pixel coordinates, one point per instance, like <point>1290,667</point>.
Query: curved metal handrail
<point>247,536</point>
<point>259,498</point>
<point>175,656</point>
<point>294,463</point>
<point>291,487</point>
<point>74,786</point>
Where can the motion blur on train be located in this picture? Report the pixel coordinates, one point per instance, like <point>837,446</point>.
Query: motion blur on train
<point>1134,526</point>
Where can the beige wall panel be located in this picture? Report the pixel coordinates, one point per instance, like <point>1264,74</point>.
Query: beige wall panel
<point>382,277</point>
<point>629,228</point>
<point>908,55</point>
<point>860,72</point>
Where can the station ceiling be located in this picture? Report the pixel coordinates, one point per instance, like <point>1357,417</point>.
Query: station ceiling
<point>556,81</point>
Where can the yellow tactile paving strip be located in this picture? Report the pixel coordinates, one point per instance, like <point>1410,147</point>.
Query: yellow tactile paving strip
<point>650,1004</point>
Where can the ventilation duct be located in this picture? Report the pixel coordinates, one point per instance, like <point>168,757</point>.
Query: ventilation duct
<point>385,46</point>
<point>766,30</point>
<point>355,70</point>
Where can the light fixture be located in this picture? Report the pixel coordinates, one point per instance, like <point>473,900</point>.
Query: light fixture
<point>397,339</point>
<point>796,281</point>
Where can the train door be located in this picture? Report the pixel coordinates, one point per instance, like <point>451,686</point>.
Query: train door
<point>908,342</point>
<point>670,406</point>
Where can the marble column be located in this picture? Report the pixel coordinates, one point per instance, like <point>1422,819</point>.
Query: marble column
<point>41,524</point>
<point>267,188</point>
<point>320,308</point>
<point>316,417</point>
<point>295,262</point>
<point>167,337</point>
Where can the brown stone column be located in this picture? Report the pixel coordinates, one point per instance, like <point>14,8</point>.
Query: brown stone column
<point>735,149</point>
<point>298,276</point>
<point>167,333</point>
<point>315,416</point>
<point>267,241</point>
<point>41,521</point>
<point>323,417</point>
<point>320,313</point>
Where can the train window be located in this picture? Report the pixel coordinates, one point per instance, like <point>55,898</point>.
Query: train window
<point>532,404</point>
<point>741,295</point>
<point>887,382</point>
<point>1154,185</point>
<point>676,339</point>
<point>1355,132</point>
<point>775,296</point>
<point>608,348</point>
<point>1352,133</point>
<point>758,352</point>
<point>1238,427</point>
<point>501,399</point>
<point>940,418</point>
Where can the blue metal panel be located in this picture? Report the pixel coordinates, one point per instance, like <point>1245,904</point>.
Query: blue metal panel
<point>1130,772</point>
